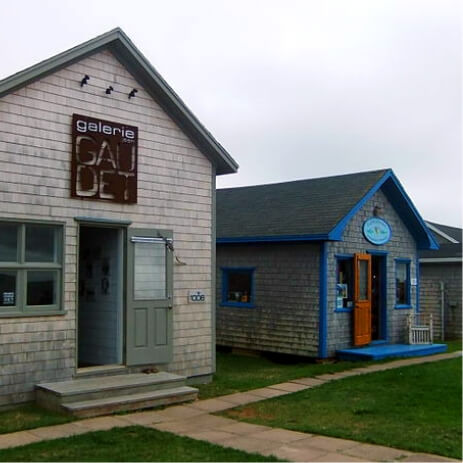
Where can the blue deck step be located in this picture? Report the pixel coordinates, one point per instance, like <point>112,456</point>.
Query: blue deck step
<point>378,352</point>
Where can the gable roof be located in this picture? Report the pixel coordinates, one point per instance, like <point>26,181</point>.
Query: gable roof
<point>444,233</point>
<point>125,51</point>
<point>448,252</point>
<point>310,210</point>
<point>450,247</point>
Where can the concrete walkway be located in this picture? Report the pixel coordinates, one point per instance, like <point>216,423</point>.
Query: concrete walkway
<point>195,421</point>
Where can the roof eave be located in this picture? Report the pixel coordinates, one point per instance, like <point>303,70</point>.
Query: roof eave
<point>272,239</point>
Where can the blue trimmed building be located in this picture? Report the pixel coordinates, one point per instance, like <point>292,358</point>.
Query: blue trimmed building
<point>314,266</point>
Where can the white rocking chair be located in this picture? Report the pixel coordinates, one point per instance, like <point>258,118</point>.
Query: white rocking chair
<point>420,328</point>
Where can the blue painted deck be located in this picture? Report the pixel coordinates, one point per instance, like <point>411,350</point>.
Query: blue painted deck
<point>382,351</point>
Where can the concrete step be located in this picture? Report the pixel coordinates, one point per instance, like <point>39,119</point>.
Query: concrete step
<point>147,390</point>
<point>81,389</point>
<point>138,401</point>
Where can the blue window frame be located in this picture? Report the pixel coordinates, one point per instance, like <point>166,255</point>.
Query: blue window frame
<point>238,286</point>
<point>402,284</point>
<point>344,282</point>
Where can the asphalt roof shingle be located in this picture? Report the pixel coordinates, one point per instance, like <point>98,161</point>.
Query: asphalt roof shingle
<point>298,208</point>
<point>453,232</point>
<point>445,251</point>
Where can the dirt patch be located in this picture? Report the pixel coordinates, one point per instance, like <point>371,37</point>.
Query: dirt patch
<point>249,413</point>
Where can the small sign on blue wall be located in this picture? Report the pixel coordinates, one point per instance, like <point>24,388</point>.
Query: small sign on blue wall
<point>377,231</point>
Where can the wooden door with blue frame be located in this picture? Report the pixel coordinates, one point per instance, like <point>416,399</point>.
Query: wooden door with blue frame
<point>362,299</point>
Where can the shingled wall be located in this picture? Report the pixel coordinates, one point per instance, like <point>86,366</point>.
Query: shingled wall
<point>175,184</point>
<point>449,273</point>
<point>285,318</point>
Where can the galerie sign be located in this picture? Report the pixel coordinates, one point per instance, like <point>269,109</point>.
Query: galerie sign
<point>104,160</point>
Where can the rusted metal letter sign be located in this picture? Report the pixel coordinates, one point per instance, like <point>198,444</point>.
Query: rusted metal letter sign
<point>104,160</point>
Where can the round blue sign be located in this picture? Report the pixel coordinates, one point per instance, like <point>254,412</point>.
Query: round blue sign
<point>377,231</point>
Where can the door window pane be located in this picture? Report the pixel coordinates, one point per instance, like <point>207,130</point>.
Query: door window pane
<point>40,243</point>
<point>344,289</point>
<point>7,288</point>
<point>363,280</point>
<point>150,271</point>
<point>8,242</point>
<point>41,287</point>
<point>402,283</point>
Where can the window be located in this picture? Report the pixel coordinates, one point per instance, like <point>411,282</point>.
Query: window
<point>344,283</point>
<point>238,287</point>
<point>30,268</point>
<point>402,283</point>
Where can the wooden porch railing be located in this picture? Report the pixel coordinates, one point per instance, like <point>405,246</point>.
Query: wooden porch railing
<point>420,328</point>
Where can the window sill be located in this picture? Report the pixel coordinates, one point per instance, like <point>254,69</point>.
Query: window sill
<point>246,305</point>
<point>37,313</point>
<point>344,309</point>
<point>403,306</point>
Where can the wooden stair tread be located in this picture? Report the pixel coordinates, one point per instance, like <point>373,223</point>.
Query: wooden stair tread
<point>130,398</point>
<point>108,383</point>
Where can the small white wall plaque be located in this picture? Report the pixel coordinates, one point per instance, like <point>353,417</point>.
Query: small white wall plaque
<point>413,281</point>
<point>8,298</point>
<point>196,296</point>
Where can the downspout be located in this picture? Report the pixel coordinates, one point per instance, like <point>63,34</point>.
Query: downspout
<point>442,306</point>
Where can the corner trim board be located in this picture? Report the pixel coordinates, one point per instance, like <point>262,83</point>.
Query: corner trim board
<point>323,314</point>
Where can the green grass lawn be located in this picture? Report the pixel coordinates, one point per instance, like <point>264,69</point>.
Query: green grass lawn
<point>415,408</point>
<point>234,373</point>
<point>452,345</point>
<point>28,417</point>
<point>134,443</point>
<point>237,373</point>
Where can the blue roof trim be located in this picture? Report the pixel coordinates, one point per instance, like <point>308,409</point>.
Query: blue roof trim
<point>403,206</point>
<point>336,232</point>
<point>272,239</point>
<point>411,217</point>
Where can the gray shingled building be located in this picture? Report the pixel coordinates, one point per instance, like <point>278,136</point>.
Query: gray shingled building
<point>107,192</point>
<point>441,282</point>
<point>314,266</point>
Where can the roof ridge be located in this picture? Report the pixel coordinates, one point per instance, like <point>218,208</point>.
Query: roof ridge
<point>351,174</point>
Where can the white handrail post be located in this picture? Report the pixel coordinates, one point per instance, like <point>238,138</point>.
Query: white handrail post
<point>430,328</point>
<point>410,329</point>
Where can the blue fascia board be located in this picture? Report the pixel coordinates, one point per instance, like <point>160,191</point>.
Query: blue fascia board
<point>417,287</point>
<point>407,211</point>
<point>336,232</point>
<point>272,239</point>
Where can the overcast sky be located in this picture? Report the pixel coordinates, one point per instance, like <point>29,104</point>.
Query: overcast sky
<point>292,89</point>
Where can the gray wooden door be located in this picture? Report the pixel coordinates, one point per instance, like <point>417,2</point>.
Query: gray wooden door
<point>149,297</point>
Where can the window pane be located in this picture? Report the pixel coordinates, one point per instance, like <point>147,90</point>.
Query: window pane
<point>41,287</point>
<point>150,271</point>
<point>41,243</point>
<point>401,283</point>
<point>363,280</point>
<point>8,242</point>
<point>344,283</point>
<point>7,288</point>
<point>239,286</point>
